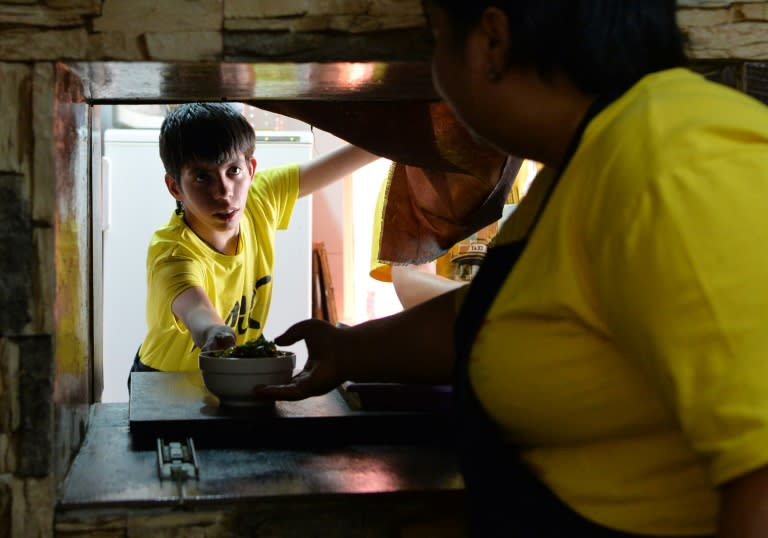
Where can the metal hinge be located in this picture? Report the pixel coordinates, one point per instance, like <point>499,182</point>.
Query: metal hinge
<point>177,461</point>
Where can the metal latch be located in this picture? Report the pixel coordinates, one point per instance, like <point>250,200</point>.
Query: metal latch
<point>177,461</point>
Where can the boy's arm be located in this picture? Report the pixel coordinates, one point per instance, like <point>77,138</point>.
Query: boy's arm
<point>322,171</point>
<point>415,284</point>
<point>193,307</point>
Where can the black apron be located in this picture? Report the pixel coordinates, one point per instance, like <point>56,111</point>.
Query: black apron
<point>505,497</point>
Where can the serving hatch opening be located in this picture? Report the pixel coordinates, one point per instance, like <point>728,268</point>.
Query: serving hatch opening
<point>99,96</point>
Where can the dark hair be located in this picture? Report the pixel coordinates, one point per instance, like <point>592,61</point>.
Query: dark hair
<point>207,132</point>
<point>603,46</point>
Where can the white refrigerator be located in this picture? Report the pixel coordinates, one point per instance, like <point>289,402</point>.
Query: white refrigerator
<point>136,202</point>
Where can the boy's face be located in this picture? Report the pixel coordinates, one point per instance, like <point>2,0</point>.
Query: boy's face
<point>214,196</point>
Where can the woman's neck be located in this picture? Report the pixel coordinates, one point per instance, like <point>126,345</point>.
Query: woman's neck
<point>543,117</point>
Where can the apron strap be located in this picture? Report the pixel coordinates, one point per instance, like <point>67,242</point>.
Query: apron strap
<point>505,497</point>
<point>490,276</point>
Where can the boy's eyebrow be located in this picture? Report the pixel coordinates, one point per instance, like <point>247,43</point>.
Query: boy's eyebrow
<point>196,168</point>
<point>237,159</point>
<point>204,166</point>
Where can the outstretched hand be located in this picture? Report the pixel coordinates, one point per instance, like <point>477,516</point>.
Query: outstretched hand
<point>218,337</point>
<point>323,371</point>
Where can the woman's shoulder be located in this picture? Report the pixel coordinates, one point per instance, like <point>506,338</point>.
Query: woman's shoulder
<point>671,106</point>
<point>670,120</point>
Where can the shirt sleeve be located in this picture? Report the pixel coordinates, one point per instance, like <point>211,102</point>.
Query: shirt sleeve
<point>274,192</point>
<point>170,276</point>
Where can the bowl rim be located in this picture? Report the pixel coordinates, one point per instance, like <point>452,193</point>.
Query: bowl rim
<point>282,354</point>
<point>246,365</point>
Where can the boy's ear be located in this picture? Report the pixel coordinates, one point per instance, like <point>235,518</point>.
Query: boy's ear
<point>172,186</point>
<point>251,166</point>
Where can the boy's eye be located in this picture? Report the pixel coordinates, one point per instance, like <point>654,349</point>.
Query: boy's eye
<point>234,170</point>
<point>201,178</point>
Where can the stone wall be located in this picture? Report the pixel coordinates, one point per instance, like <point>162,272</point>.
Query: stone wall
<point>194,30</point>
<point>44,314</point>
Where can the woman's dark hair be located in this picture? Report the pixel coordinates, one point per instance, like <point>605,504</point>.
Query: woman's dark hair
<point>206,132</point>
<point>604,46</point>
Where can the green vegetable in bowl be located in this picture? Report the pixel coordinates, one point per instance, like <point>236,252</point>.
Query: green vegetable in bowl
<point>261,347</point>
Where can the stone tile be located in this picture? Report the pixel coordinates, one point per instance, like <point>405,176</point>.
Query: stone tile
<point>755,12</point>
<point>15,115</point>
<point>160,16</point>
<point>16,253</point>
<point>43,200</point>
<point>7,453</point>
<point>37,45</point>
<point>310,23</point>
<point>9,396</point>
<point>33,507</point>
<point>749,51</point>
<point>396,7</point>
<point>38,15</point>
<point>123,46</point>
<point>184,46</point>
<point>35,441</point>
<point>6,507</point>
<point>85,7</point>
<point>258,24</point>
<point>338,7</point>
<point>9,407</point>
<point>366,24</point>
<point>745,41</point>
<point>703,17</point>
<point>264,8</point>
<point>397,45</point>
<point>354,24</point>
<point>301,8</point>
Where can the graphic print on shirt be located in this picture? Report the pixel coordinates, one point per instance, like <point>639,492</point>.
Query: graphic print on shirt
<point>237,316</point>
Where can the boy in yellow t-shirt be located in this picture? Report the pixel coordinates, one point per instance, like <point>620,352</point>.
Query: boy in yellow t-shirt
<point>209,269</point>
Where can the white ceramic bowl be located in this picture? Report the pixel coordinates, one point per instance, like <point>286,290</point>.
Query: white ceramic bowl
<point>232,379</point>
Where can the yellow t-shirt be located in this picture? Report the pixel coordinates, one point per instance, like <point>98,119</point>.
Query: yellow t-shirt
<point>239,286</point>
<point>626,351</point>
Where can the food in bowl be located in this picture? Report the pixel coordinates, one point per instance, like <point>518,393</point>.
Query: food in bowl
<point>261,347</point>
<point>232,374</point>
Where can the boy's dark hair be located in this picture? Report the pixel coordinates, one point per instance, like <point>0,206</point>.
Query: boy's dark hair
<point>206,132</point>
<point>603,46</point>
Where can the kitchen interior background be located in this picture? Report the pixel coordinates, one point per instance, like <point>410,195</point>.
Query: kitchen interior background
<point>340,216</point>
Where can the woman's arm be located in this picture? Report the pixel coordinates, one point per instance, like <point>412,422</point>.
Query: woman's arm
<point>744,506</point>
<point>324,170</point>
<point>413,346</point>
<point>193,307</point>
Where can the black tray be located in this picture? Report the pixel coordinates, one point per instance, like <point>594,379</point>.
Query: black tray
<point>176,405</point>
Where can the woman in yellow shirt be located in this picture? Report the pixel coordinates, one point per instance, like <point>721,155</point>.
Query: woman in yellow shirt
<point>610,356</point>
